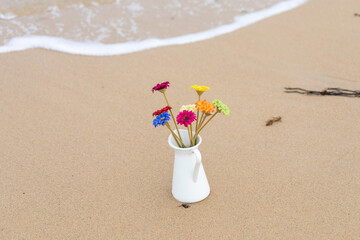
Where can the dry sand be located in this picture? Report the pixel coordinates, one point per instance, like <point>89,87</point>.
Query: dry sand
<point>79,158</point>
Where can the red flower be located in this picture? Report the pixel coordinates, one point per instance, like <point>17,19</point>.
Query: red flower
<point>160,86</point>
<point>158,112</point>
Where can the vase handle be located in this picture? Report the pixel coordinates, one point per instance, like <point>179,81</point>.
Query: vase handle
<point>197,164</point>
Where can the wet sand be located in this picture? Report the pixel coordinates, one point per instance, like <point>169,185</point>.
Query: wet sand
<point>80,158</point>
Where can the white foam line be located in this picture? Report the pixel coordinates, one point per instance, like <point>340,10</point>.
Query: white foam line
<point>7,16</point>
<point>100,49</point>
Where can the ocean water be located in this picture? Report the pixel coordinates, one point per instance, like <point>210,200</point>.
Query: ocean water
<point>110,27</point>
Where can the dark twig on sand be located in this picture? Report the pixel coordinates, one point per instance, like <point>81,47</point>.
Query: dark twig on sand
<point>184,205</point>
<point>272,121</point>
<point>327,91</point>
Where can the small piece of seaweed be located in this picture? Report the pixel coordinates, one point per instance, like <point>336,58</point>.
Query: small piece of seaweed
<point>272,121</point>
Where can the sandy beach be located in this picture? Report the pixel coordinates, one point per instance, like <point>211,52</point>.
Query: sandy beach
<point>80,159</point>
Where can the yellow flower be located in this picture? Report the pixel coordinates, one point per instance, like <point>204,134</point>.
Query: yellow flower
<point>190,107</point>
<point>200,88</point>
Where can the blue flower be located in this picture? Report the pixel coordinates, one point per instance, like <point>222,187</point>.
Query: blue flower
<point>161,119</point>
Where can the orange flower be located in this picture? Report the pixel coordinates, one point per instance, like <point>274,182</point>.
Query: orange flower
<point>205,106</point>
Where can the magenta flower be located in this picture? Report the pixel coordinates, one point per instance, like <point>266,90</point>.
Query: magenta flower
<point>160,86</point>
<point>186,118</point>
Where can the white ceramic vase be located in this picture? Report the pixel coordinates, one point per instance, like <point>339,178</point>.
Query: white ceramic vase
<point>189,183</point>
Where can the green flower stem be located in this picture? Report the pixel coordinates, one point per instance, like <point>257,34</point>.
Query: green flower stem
<point>200,122</point>
<point>174,135</point>
<point>197,116</point>
<point>188,128</point>
<point>172,116</point>
<point>205,116</point>
<point>192,139</point>
<point>197,133</point>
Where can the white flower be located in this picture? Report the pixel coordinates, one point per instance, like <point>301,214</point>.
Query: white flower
<point>190,107</point>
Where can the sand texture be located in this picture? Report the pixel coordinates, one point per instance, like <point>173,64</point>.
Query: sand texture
<point>80,159</point>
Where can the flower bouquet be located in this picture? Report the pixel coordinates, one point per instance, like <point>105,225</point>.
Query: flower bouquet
<point>194,117</point>
<point>189,180</point>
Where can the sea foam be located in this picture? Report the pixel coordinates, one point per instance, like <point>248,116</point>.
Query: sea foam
<point>100,49</point>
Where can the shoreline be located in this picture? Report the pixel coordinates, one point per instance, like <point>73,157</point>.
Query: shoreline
<point>100,49</point>
<point>80,158</point>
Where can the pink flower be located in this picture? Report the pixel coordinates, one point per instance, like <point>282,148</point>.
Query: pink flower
<point>186,118</point>
<point>160,86</point>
